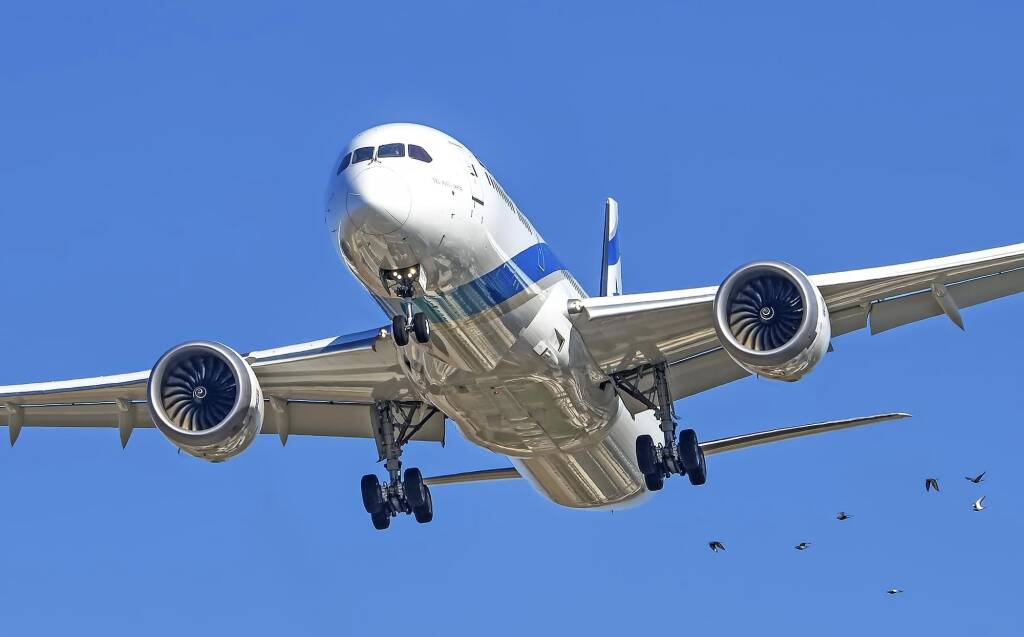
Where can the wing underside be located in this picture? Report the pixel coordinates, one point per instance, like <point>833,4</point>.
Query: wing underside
<point>677,327</point>
<point>321,388</point>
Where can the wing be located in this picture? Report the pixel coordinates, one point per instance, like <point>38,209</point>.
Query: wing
<point>625,332</point>
<point>321,388</point>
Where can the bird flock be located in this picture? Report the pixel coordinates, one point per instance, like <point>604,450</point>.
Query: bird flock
<point>930,484</point>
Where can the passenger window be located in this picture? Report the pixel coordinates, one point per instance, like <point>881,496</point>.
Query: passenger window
<point>417,152</point>
<point>362,154</point>
<point>344,163</point>
<point>391,150</point>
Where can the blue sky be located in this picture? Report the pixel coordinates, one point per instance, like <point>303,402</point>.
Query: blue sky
<point>161,175</point>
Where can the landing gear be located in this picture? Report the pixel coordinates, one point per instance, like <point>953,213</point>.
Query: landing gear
<point>414,322</point>
<point>393,426</point>
<point>668,457</point>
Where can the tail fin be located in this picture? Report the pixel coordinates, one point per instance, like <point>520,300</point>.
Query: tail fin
<point>611,262</point>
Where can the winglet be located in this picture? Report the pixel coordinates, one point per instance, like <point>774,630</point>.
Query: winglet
<point>611,262</point>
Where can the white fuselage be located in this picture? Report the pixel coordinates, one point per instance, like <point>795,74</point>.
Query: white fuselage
<point>503,361</point>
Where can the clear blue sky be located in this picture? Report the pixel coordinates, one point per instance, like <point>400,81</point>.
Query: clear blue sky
<point>161,175</point>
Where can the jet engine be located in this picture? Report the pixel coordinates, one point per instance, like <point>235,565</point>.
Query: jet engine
<point>772,320</point>
<point>206,400</point>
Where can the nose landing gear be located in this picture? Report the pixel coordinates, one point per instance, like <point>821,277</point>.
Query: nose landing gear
<point>393,427</point>
<point>410,322</point>
<point>682,456</point>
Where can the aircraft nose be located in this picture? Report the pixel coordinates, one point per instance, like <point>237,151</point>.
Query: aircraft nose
<point>379,200</point>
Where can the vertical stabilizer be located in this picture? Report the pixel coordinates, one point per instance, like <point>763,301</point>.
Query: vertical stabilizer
<point>611,261</point>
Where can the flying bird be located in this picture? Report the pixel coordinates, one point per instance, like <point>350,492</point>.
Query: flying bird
<point>894,591</point>
<point>802,546</point>
<point>931,483</point>
<point>716,546</point>
<point>979,504</point>
<point>976,479</point>
<point>842,516</point>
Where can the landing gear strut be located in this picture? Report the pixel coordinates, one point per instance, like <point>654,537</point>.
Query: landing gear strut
<point>393,426</point>
<point>662,459</point>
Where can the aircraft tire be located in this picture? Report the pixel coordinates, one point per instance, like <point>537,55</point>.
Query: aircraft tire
<point>425,512</point>
<point>654,481</point>
<point>373,502</point>
<point>699,475</point>
<point>647,455</point>
<point>400,330</point>
<point>689,450</point>
<point>415,490</point>
<point>421,327</point>
<point>381,520</point>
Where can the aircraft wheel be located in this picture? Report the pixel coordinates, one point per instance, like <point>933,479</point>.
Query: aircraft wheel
<point>400,330</point>
<point>699,475</point>
<point>425,512</point>
<point>415,490</point>
<point>647,456</point>
<point>381,520</point>
<point>421,327</point>
<point>689,450</point>
<point>373,502</point>
<point>654,481</point>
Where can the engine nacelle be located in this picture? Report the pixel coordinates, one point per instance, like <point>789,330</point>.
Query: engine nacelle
<point>772,320</point>
<point>205,398</point>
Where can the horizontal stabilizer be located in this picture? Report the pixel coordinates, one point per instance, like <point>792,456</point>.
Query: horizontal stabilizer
<point>474,476</point>
<point>721,445</point>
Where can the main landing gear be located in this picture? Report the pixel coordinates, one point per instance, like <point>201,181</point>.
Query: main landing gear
<point>671,455</point>
<point>393,426</point>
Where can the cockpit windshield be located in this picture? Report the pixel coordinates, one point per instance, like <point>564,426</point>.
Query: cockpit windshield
<point>417,152</point>
<point>362,154</point>
<point>344,163</point>
<point>366,153</point>
<point>391,150</point>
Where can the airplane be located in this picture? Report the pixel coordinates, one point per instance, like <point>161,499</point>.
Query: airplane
<point>488,329</point>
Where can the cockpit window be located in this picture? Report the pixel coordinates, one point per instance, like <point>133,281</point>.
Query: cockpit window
<point>417,152</point>
<point>362,154</point>
<point>391,150</point>
<point>344,163</point>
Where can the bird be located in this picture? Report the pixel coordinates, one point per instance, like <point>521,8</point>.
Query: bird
<point>931,483</point>
<point>802,546</point>
<point>979,504</point>
<point>716,546</point>
<point>894,591</point>
<point>842,516</point>
<point>976,479</point>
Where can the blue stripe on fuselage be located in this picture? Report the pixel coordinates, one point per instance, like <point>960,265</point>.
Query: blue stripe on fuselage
<point>494,288</point>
